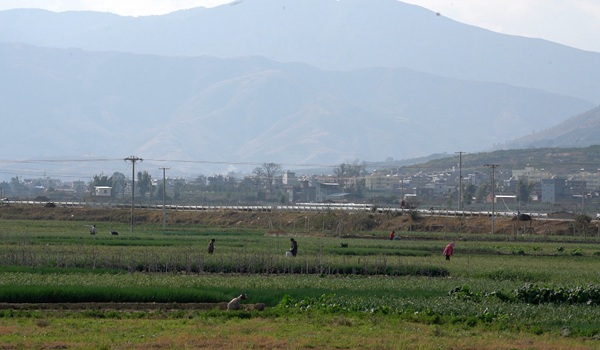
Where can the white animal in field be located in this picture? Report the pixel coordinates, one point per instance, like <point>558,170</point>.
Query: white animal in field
<point>234,304</point>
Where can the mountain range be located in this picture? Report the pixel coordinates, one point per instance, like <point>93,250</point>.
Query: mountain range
<point>311,82</point>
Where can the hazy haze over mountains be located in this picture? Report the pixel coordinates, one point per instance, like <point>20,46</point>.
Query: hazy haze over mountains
<point>371,80</point>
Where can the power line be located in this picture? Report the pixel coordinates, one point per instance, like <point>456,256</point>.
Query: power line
<point>28,161</point>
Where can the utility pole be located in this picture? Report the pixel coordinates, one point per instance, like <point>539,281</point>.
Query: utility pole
<point>582,199</point>
<point>493,166</point>
<point>401,189</point>
<point>460,153</point>
<point>164,194</point>
<point>133,160</point>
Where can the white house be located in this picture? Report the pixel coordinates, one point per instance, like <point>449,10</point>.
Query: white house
<point>103,191</point>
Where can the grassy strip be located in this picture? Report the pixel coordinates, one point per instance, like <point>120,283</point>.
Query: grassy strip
<point>366,251</point>
<point>136,294</point>
<point>55,270</point>
<point>86,294</point>
<point>517,275</point>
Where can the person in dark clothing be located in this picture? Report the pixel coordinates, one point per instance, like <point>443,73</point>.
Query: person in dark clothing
<point>294,248</point>
<point>211,246</point>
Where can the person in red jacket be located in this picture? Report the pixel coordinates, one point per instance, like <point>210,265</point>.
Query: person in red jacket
<point>449,250</point>
<point>392,235</point>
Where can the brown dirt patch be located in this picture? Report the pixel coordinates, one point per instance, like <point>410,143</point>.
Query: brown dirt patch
<point>282,222</point>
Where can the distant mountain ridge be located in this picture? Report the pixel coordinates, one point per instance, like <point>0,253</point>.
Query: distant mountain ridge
<point>62,101</point>
<point>329,34</point>
<point>561,162</point>
<point>310,82</point>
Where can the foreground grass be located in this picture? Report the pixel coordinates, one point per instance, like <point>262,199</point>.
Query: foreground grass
<point>236,332</point>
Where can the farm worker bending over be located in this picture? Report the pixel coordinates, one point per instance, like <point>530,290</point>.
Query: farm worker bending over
<point>449,250</point>
<point>392,235</point>
<point>294,248</point>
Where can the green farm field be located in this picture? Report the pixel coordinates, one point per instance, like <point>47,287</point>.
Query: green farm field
<point>61,287</point>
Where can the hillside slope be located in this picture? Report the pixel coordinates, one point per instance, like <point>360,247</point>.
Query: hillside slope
<point>581,130</point>
<point>59,102</point>
<point>329,34</point>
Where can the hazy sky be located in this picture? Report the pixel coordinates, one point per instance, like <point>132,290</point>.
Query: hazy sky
<point>574,23</point>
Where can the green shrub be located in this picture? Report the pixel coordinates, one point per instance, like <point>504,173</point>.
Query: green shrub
<point>533,294</point>
<point>577,252</point>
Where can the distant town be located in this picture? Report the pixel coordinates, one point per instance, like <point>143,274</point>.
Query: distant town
<point>527,189</point>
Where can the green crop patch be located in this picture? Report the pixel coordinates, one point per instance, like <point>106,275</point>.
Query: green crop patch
<point>376,251</point>
<point>359,279</point>
<point>87,294</point>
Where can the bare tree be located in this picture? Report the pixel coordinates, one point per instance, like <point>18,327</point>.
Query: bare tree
<point>350,177</point>
<point>268,172</point>
<point>347,170</point>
